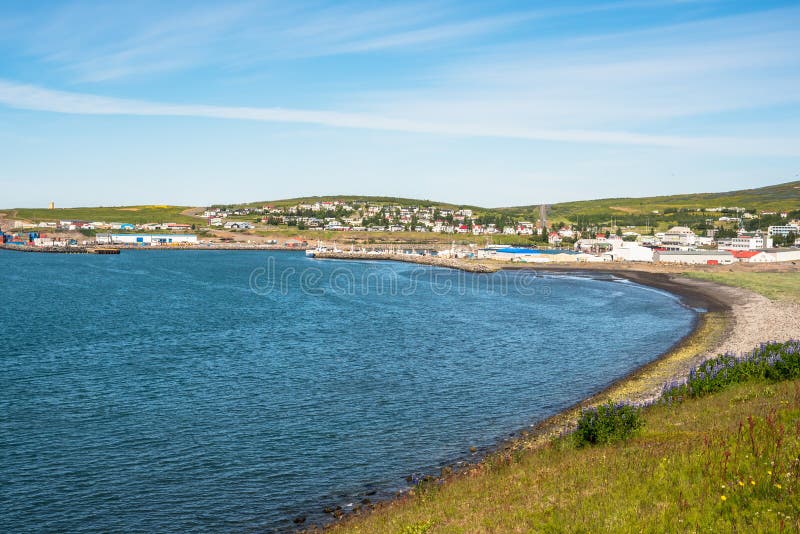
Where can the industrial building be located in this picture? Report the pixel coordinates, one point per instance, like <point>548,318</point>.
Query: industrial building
<point>694,257</point>
<point>629,251</point>
<point>771,255</point>
<point>147,239</point>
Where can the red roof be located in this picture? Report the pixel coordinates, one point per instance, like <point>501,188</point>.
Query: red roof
<point>744,254</point>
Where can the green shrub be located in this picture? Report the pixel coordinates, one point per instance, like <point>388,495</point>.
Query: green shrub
<point>607,423</point>
<point>769,361</point>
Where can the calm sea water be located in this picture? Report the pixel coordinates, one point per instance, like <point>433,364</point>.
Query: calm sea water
<point>202,390</point>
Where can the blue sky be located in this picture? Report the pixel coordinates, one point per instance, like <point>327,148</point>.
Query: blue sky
<point>490,103</point>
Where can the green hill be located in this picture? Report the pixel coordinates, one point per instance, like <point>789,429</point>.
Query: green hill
<point>771,198</point>
<point>774,197</point>
<point>650,211</point>
<point>123,214</point>
<point>376,200</point>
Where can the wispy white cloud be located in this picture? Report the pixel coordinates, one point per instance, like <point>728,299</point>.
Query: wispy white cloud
<point>40,99</point>
<point>723,65</point>
<point>97,42</point>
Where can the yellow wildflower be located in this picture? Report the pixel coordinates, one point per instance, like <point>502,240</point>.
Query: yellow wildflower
<point>741,483</point>
<point>723,498</point>
<point>778,486</point>
<point>752,482</point>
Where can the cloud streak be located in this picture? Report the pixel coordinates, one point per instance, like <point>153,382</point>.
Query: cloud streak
<point>29,97</point>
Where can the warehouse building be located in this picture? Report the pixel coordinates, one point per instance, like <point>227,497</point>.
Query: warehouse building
<point>145,240</point>
<point>694,257</point>
<point>773,255</point>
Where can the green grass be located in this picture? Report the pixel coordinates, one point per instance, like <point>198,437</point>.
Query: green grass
<point>724,462</point>
<point>782,196</point>
<point>122,214</point>
<point>775,286</point>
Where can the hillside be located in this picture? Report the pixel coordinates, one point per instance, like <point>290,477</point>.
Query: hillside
<point>126,214</point>
<point>774,197</point>
<point>376,200</point>
<point>770,198</point>
<point>650,211</point>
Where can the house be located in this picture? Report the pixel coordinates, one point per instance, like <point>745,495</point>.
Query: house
<point>525,228</point>
<point>679,235</point>
<point>237,225</point>
<point>442,228</point>
<point>553,238</point>
<point>694,257</point>
<point>567,233</point>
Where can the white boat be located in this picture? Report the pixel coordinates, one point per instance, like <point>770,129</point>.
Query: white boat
<point>311,252</point>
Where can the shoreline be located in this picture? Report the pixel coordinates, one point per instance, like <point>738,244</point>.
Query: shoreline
<point>720,313</point>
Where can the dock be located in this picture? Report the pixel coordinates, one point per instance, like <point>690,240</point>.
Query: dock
<point>61,250</point>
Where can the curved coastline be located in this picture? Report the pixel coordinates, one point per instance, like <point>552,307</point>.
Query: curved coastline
<point>714,319</point>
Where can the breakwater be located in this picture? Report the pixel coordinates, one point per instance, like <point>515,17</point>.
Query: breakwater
<point>61,250</point>
<point>472,266</point>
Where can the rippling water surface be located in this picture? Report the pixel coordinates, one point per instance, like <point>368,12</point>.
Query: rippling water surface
<point>158,391</point>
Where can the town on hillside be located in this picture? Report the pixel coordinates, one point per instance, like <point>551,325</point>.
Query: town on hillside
<point>716,235</point>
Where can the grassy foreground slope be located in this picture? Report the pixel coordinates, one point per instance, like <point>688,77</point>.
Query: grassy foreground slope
<point>726,462</point>
<point>776,286</point>
<point>723,463</point>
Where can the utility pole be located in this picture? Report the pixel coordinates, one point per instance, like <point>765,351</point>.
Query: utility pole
<point>543,215</point>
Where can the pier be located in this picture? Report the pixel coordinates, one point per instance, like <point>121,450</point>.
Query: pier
<point>61,250</point>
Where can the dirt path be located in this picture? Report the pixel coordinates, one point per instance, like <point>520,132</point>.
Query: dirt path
<point>193,212</point>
